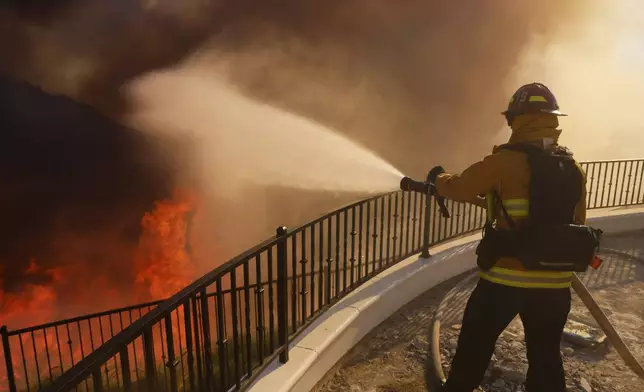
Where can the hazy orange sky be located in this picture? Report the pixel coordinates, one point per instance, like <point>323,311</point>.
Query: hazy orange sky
<point>595,69</point>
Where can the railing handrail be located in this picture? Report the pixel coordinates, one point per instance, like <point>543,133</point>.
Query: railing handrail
<point>111,312</point>
<point>86,366</point>
<point>83,317</point>
<point>612,161</point>
<point>339,211</point>
<point>136,329</point>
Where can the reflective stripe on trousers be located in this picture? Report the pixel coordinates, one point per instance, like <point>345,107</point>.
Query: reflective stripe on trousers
<point>528,279</point>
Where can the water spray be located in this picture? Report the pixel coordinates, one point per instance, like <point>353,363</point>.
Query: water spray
<point>410,185</point>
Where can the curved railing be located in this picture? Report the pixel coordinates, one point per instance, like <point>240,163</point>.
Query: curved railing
<point>221,330</point>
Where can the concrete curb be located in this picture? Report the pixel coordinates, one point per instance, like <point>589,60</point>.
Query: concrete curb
<point>336,331</point>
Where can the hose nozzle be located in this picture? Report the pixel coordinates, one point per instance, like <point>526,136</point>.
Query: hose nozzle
<point>407,184</point>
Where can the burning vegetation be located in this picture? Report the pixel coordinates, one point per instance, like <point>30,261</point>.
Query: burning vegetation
<point>162,262</point>
<point>35,304</point>
<point>162,266</point>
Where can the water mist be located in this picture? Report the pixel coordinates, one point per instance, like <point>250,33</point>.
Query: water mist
<point>242,141</point>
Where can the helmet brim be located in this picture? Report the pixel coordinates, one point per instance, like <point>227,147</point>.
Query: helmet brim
<point>555,112</point>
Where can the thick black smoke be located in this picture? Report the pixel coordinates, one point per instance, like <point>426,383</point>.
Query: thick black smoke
<point>68,174</point>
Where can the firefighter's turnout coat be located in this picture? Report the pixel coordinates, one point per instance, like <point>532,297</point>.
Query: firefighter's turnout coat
<point>507,173</point>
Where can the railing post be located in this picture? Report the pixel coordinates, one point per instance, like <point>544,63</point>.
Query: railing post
<point>282,294</point>
<point>205,330</point>
<point>148,358</point>
<point>427,224</point>
<point>97,379</point>
<point>11,378</point>
<point>172,361</point>
<point>125,369</point>
<point>189,344</point>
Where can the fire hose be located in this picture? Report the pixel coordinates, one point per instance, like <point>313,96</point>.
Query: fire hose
<point>606,326</point>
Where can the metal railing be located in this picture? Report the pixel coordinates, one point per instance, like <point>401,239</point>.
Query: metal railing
<point>614,183</point>
<point>220,331</point>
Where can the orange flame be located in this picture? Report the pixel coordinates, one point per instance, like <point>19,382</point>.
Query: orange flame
<point>162,266</point>
<point>162,261</point>
<point>35,304</point>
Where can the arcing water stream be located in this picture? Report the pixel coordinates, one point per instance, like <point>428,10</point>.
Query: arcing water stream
<point>241,141</point>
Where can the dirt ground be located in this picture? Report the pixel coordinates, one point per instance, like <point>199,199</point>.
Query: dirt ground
<point>393,356</point>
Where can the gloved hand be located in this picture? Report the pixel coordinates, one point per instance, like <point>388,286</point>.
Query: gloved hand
<point>433,174</point>
<point>432,189</point>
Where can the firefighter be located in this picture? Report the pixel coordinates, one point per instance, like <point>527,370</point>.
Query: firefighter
<point>541,298</point>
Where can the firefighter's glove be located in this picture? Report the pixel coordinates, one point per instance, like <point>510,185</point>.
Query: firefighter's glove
<point>433,174</point>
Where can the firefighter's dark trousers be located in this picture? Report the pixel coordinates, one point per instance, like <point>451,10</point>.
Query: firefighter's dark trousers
<point>489,310</point>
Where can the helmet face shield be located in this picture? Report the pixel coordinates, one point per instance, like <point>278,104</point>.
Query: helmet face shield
<point>532,98</point>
